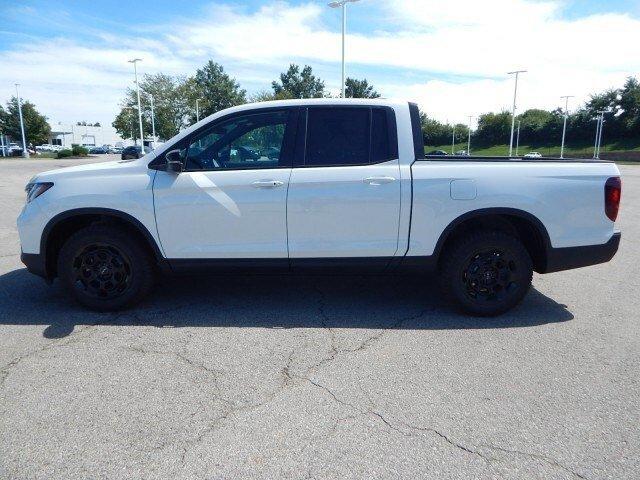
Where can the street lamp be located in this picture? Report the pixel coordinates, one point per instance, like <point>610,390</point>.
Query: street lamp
<point>518,138</point>
<point>513,111</point>
<point>135,69</point>
<point>343,4</point>
<point>599,127</point>
<point>153,118</point>
<point>453,138</point>
<point>25,152</point>
<point>469,138</point>
<point>564,126</point>
<point>197,111</point>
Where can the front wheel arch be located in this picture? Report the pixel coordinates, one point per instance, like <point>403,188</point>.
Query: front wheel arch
<point>61,227</point>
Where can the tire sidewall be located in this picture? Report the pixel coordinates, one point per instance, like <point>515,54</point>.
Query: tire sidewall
<point>134,254</point>
<point>462,254</point>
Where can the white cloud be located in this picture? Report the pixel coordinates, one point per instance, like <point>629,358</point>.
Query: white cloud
<point>467,45</point>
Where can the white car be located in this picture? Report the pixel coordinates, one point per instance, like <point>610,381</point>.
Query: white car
<point>349,190</point>
<point>533,155</point>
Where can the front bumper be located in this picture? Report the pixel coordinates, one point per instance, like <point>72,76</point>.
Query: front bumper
<point>575,257</point>
<point>36,264</point>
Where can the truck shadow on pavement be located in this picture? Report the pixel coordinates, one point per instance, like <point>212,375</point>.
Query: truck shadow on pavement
<point>267,302</point>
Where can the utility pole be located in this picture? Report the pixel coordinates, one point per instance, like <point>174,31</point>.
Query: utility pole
<point>600,134</point>
<point>599,125</point>
<point>453,139</point>
<point>469,138</point>
<point>197,111</point>
<point>343,4</point>
<point>513,111</point>
<point>518,138</point>
<point>153,121</point>
<point>135,69</point>
<point>564,126</point>
<point>25,152</point>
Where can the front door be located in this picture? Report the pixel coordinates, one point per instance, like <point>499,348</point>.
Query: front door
<point>230,201</point>
<point>344,194</point>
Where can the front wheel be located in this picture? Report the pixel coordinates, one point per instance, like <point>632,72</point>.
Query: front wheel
<point>104,268</point>
<point>486,273</point>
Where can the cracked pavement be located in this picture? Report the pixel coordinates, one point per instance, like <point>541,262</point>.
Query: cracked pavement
<point>319,377</point>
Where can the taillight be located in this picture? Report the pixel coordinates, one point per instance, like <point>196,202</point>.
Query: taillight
<point>612,193</point>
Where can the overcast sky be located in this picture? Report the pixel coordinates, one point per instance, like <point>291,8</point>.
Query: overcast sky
<point>451,56</point>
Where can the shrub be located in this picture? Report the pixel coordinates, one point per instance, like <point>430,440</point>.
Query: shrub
<point>64,153</point>
<point>79,151</point>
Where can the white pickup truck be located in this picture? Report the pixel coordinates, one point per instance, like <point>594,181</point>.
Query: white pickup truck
<point>318,185</point>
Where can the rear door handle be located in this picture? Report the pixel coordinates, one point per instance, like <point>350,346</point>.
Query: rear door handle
<point>378,180</point>
<point>267,183</point>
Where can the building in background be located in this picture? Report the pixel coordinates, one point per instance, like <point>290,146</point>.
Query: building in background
<point>87,135</point>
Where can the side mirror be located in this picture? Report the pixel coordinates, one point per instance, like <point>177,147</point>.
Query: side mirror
<point>173,160</point>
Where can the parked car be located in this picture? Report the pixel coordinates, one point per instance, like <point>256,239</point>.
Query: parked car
<point>134,152</point>
<point>99,150</point>
<point>462,153</point>
<point>351,191</point>
<point>533,155</point>
<point>115,149</point>
<point>437,152</point>
<point>14,150</point>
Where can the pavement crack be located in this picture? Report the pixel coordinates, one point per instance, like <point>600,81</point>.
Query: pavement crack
<point>335,351</point>
<point>71,339</point>
<point>537,456</point>
<point>397,426</point>
<point>179,356</point>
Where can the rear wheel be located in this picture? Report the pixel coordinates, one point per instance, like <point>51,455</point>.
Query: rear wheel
<point>104,268</point>
<point>486,273</point>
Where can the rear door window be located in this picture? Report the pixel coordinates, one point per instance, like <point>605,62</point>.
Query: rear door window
<point>342,136</point>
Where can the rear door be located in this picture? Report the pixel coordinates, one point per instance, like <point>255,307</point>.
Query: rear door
<point>343,205</point>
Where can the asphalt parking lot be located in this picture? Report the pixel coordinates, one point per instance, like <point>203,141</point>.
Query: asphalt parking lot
<point>320,377</point>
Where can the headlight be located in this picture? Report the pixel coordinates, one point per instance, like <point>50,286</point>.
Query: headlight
<point>35,189</point>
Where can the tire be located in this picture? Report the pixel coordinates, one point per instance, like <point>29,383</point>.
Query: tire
<point>105,269</point>
<point>486,273</point>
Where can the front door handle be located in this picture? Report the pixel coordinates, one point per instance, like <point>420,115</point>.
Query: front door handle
<point>378,180</point>
<point>267,183</point>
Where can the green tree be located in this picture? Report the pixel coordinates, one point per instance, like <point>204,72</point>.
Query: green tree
<point>214,90</point>
<point>629,103</point>
<point>126,123</point>
<point>354,88</point>
<point>171,109</point>
<point>493,128</point>
<point>262,96</point>
<point>298,84</point>
<point>36,127</point>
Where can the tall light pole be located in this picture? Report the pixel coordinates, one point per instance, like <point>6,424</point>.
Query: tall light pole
<point>513,111</point>
<point>518,139</point>
<point>564,125</point>
<point>197,111</point>
<point>599,139</point>
<point>135,69</point>
<point>599,122</point>
<point>343,4</point>
<point>469,136</point>
<point>153,120</point>
<point>453,139</point>
<point>25,152</point>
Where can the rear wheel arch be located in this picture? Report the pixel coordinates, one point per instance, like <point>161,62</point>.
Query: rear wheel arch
<point>61,227</point>
<point>523,225</point>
